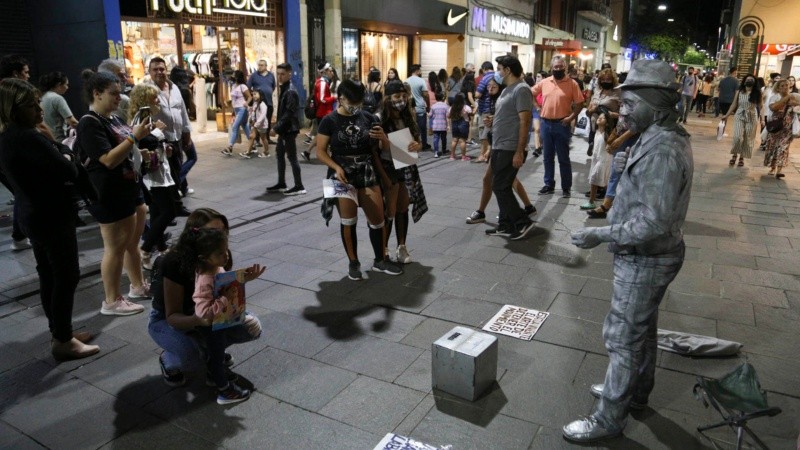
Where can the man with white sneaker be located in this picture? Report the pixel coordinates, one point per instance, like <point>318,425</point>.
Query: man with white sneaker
<point>646,238</point>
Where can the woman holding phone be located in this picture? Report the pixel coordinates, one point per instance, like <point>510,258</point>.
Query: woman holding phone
<point>352,136</point>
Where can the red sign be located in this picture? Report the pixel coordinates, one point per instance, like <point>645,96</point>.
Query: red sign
<point>776,49</point>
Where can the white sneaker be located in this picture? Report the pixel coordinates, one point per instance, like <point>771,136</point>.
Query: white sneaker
<point>402,255</point>
<point>120,307</point>
<point>21,244</point>
<point>189,191</point>
<point>139,293</point>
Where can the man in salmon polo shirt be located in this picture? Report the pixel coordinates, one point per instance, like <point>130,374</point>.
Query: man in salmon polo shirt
<point>561,102</point>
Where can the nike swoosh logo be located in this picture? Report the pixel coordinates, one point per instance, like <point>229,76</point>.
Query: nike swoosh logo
<point>454,20</point>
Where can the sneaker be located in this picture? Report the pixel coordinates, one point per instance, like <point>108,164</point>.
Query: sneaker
<point>120,307</point>
<point>280,187</point>
<point>189,191</point>
<point>172,377</point>
<point>244,155</point>
<point>354,271</point>
<point>232,394</point>
<point>226,152</point>
<point>403,256</point>
<point>21,244</point>
<point>435,154</point>
<point>141,292</point>
<point>297,190</point>
<point>537,153</point>
<point>588,429</point>
<point>228,360</point>
<point>546,190</point>
<point>229,375</point>
<point>498,232</point>
<point>530,210</point>
<point>147,259</point>
<point>477,216</point>
<point>587,206</point>
<point>521,232</point>
<point>566,193</point>
<point>306,154</point>
<point>263,155</point>
<point>465,158</point>
<point>387,267</point>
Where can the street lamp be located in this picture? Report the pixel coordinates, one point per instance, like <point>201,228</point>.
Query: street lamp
<point>662,7</point>
<point>670,20</point>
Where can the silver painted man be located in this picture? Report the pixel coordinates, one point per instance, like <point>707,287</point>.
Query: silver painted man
<point>646,239</point>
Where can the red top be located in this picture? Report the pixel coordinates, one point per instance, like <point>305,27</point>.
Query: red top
<point>322,93</point>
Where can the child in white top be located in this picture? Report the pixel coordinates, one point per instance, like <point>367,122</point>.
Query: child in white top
<point>258,121</point>
<point>601,158</point>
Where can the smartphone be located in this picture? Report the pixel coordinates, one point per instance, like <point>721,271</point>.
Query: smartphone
<point>143,113</point>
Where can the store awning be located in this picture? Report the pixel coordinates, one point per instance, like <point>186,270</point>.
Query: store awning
<point>563,45</point>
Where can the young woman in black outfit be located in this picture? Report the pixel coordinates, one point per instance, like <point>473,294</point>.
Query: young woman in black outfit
<point>38,170</point>
<point>352,135</point>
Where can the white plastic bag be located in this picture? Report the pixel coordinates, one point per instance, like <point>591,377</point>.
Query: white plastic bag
<point>582,126</point>
<point>796,126</point>
<point>720,130</point>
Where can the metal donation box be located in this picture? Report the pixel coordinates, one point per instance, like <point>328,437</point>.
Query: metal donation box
<point>464,362</point>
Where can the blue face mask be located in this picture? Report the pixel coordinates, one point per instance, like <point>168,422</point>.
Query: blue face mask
<point>498,78</point>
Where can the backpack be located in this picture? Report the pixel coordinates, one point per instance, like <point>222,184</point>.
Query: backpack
<point>451,96</point>
<point>370,104</point>
<point>310,110</point>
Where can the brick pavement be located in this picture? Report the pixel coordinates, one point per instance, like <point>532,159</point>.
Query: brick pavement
<point>342,363</point>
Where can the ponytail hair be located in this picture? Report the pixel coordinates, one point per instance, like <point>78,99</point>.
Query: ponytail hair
<point>96,82</point>
<point>195,245</point>
<point>49,81</point>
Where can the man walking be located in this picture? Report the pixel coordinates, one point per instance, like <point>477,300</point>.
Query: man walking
<point>173,113</point>
<point>509,125</point>
<point>419,90</point>
<point>646,239</point>
<point>688,93</point>
<point>561,102</point>
<point>484,103</point>
<point>727,90</point>
<point>264,80</point>
<point>324,98</point>
<point>286,127</point>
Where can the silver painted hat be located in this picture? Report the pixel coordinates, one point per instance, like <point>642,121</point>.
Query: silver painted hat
<point>651,73</point>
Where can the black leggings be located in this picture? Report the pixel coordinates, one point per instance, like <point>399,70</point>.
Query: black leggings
<point>56,253</point>
<point>162,211</point>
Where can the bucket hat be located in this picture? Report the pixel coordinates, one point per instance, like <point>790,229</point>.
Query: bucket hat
<point>651,73</point>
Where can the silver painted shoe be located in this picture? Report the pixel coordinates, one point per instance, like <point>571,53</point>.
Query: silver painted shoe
<point>587,429</point>
<point>597,391</point>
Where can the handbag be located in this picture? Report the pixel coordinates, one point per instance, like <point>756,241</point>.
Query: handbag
<point>775,124</point>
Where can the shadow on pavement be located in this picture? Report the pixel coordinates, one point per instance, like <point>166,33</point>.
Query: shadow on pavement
<point>340,305</point>
<point>481,412</point>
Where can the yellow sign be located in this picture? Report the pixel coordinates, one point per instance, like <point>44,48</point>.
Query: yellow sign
<point>257,8</point>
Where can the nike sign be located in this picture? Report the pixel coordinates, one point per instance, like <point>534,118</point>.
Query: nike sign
<point>454,20</point>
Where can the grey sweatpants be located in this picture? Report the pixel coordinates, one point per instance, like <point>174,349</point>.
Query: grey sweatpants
<point>630,331</point>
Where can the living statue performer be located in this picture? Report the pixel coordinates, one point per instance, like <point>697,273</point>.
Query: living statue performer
<point>646,239</point>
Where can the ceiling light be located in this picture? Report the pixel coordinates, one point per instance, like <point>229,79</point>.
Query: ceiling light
<point>670,20</point>
<point>662,7</point>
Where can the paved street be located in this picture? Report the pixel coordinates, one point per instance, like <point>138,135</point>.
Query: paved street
<point>341,363</point>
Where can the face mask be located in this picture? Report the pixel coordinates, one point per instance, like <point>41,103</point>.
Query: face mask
<point>498,78</point>
<point>399,105</point>
<point>559,74</point>
<point>351,109</point>
<point>749,83</point>
<point>607,86</point>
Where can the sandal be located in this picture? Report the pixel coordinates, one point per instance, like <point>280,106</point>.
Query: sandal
<point>732,161</point>
<point>779,175</point>
<point>741,162</point>
<point>595,214</point>
<point>588,205</point>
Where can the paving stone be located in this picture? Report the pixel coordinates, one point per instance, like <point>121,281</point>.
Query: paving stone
<point>406,427</point>
<point>372,405</point>
<point>777,374</point>
<point>669,320</point>
<point>370,356</point>
<point>713,256</point>
<point>762,341</point>
<point>688,283</point>
<point>292,274</point>
<point>572,333</point>
<point>570,284</point>
<point>780,265</point>
<point>388,324</point>
<point>524,295</point>
<point>754,294</point>
<point>427,332</point>
<point>583,308</point>
<point>767,222</point>
<point>757,277</point>
<point>710,307</point>
<point>54,415</point>
<point>153,432</point>
<point>293,334</point>
<point>473,313</point>
<point>482,270</point>
<point>12,438</point>
<point>418,375</point>
<point>294,379</point>
<point>662,428</point>
<point>742,248</point>
<point>787,232</point>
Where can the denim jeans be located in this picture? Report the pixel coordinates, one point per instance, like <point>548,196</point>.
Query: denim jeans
<point>191,159</point>
<point>439,136</point>
<point>182,350</point>
<point>239,121</point>
<point>686,106</point>
<point>555,142</point>
<point>630,331</point>
<point>422,123</point>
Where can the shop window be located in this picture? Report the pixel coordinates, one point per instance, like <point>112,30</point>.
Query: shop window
<point>384,50</point>
<point>143,41</point>
<point>350,54</point>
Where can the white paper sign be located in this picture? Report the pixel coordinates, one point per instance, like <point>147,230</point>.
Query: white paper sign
<point>396,442</point>
<point>516,321</point>
<point>399,141</point>
<point>336,189</point>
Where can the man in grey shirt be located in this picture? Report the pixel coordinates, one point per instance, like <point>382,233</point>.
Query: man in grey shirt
<point>646,239</point>
<point>727,91</point>
<point>419,90</point>
<point>509,125</point>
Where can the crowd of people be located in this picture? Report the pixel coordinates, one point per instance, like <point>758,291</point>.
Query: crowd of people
<point>129,156</point>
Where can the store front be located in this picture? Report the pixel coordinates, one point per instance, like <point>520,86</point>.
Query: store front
<point>613,50</point>
<point>211,40</point>
<point>592,39</point>
<point>568,48</point>
<point>493,33</point>
<point>430,33</point>
<point>781,58</point>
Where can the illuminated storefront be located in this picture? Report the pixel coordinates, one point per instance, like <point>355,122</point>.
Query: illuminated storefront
<point>495,33</point>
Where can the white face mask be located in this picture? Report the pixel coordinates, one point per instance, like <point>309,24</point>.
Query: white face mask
<point>399,105</point>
